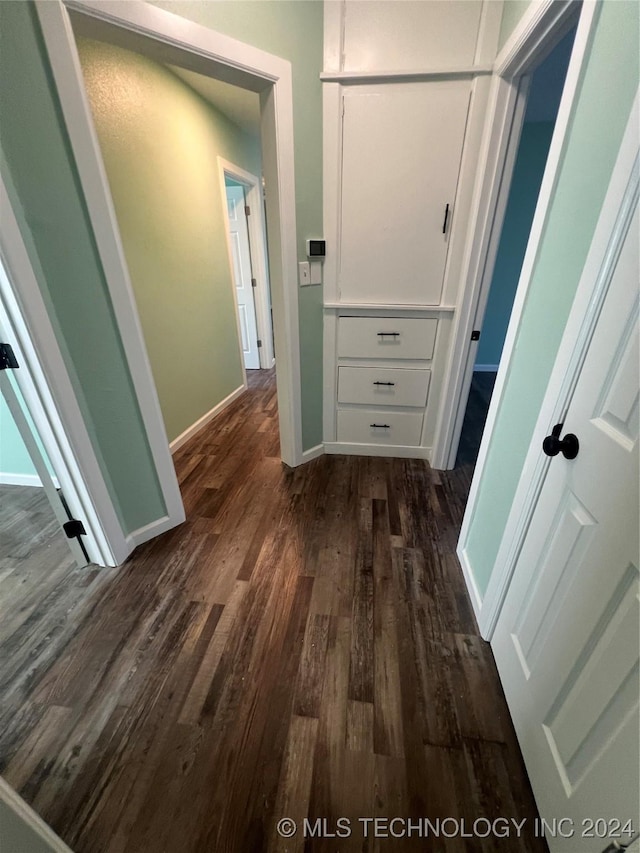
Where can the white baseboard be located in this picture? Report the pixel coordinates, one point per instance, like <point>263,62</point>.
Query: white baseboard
<point>394,450</point>
<point>485,368</point>
<point>177,443</point>
<point>472,587</point>
<point>312,453</point>
<point>7,479</point>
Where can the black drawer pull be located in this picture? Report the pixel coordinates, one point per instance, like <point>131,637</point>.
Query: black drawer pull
<point>389,334</point>
<point>384,383</point>
<point>379,426</point>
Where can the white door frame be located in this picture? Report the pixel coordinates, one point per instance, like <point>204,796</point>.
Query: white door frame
<point>613,223</point>
<point>50,397</point>
<point>541,28</point>
<point>258,247</point>
<point>208,52</point>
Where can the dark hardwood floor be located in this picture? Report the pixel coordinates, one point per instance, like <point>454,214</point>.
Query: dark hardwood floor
<point>303,646</point>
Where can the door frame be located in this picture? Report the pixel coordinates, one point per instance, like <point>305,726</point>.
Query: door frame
<point>207,51</point>
<point>613,223</point>
<point>258,248</point>
<point>51,399</point>
<point>541,28</point>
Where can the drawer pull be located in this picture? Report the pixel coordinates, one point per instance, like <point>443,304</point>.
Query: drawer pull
<point>379,426</point>
<point>384,383</point>
<point>389,334</point>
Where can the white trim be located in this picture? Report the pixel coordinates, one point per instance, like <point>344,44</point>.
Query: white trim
<point>393,450</point>
<point>150,531</point>
<point>258,247</point>
<point>46,387</point>
<point>243,65</point>
<point>485,368</point>
<point>313,453</point>
<point>195,428</point>
<point>9,479</point>
<point>542,26</point>
<point>33,822</point>
<point>613,224</point>
<point>413,75</point>
<point>472,587</point>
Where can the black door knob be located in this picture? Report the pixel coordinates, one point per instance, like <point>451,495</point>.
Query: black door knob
<point>568,446</point>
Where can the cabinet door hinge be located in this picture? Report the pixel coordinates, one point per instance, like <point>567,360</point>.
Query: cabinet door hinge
<point>8,359</point>
<point>259,342</point>
<point>247,210</point>
<point>254,283</point>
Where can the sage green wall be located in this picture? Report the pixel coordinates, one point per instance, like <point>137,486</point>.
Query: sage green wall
<point>14,458</point>
<point>512,13</point>
<point>293,30</point>
<point>38,169</point>
<point>601,112</point>
<point>160,142</point>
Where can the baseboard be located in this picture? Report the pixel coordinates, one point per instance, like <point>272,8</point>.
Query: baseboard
<point>393,450</point>
<point>24,480</point>
<point>177,443</point>
<point>472,587</point>
<point>312,453</point>
<point>485,368</point>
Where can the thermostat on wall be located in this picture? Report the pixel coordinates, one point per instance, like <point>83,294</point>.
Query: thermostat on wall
<point>316,248</point>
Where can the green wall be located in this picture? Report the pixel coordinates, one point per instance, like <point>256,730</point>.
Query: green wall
<point>160,142</point>
<point>601,112</point>
<point>523,195</point>
<point>14,458</point>
<point>38,169</point>
<point>293,30</point>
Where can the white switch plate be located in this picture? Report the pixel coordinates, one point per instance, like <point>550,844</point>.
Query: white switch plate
<point>304,273</point>
<point>316,272</point>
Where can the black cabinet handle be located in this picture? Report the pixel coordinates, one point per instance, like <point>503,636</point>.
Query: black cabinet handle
<point>384,383</point>
<point>568,446</point>
<point>446,216</point>
<point>379,426</point>
<point>389,334</point>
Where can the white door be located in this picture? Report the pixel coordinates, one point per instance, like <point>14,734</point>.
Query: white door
<point>401,151</point>
<point>241,259</point>
<point>566,641</point>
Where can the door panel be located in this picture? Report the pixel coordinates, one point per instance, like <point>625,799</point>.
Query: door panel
<point>402,145</point>
<point>241,259</point>
<point>566,642</point>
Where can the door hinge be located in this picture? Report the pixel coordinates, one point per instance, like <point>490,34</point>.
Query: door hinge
<point>74,527</point>
<point>475,335</point>
<point>254,283</point>
<point>247,210</point>
<point>259,342</point>
<point>8,359</point>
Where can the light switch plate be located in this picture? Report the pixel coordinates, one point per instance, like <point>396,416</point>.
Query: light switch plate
<point>304,273</point>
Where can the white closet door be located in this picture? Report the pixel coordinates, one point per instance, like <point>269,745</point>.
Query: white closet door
<point>402,145</point>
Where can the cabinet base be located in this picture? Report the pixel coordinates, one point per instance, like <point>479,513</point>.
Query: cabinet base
<point>398,451</point>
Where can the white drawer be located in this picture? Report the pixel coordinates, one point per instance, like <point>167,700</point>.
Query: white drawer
<point>383,386</point>
<point>386,337</point>
<point>371,426</point>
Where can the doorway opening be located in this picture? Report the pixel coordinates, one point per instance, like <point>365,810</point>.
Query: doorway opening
<point>248,259</point>
<point>543,94</point>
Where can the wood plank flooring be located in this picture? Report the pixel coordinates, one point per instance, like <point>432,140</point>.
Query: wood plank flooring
<point>303,646</point>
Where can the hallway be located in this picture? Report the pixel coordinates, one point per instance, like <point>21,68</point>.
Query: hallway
<point>302,646</point>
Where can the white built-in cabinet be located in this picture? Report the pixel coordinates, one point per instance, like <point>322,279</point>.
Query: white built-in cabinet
<point>404,100</point>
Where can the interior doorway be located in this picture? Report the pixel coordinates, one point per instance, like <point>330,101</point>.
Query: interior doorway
<point>544,91</point>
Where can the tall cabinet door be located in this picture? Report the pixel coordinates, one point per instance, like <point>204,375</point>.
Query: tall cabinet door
<point>402,145</point>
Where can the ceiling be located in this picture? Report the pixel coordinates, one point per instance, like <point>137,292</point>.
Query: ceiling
<point>239,105</point>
